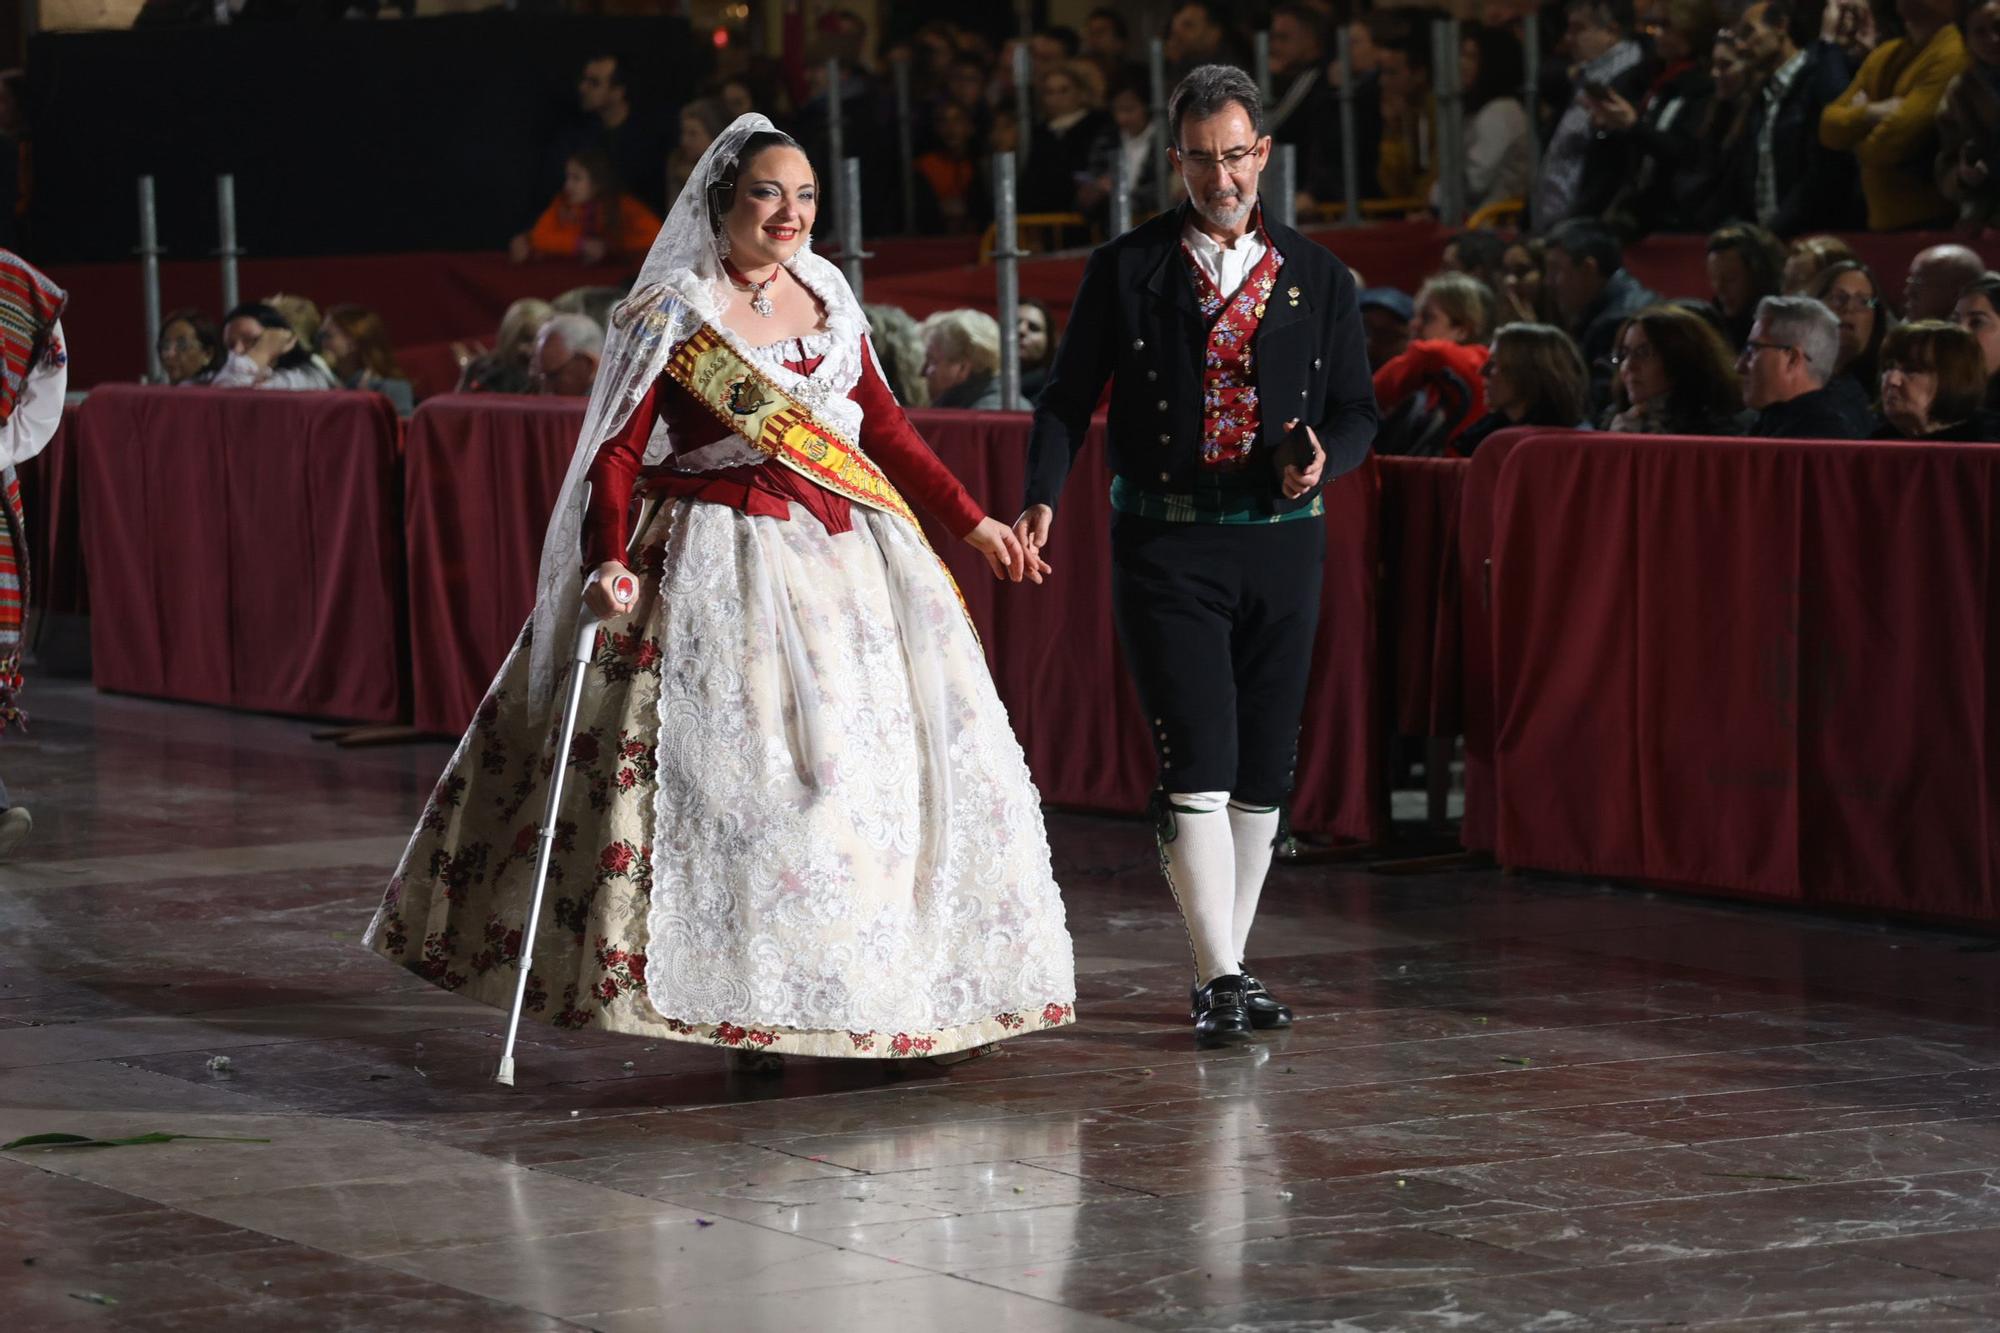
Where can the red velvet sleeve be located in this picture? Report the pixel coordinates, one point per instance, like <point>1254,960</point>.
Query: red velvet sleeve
<point>607,523</point>
<point>893,442</point>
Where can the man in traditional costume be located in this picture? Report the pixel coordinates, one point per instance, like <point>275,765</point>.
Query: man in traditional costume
<point>34,375</point>
<point>797,819</point>
<point>1239,384</point>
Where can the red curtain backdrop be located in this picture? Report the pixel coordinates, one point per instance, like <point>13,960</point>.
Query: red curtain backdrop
<point>55,542</point>
<point>245,549</point>
<point>1759,666</point>
<point>1420,603</point>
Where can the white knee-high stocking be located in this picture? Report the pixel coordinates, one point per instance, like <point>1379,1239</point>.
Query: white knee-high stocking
<point>1252,828</point>
<point>1199,861</point>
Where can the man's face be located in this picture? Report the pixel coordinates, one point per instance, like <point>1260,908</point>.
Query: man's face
<point>1388,335</point>
<point>1044,52</point>
<point>1588,37</point>
<point>239,335</point>
<point>1100,38</point>
<point>1931,288</point>
<point>1759,43</point>
<point>941,372</point>
<point>1219,159</point>
<point>557,371</point>
<point>1766,369</point>
<point>1575,283</point>
<point>1191,36</point>
<point>594,91</point>
<point>1293,47</point>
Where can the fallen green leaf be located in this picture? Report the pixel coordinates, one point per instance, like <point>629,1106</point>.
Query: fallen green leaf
<point>85,1141</point>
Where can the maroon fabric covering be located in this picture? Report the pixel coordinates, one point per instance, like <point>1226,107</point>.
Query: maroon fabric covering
<point>484,471</point>
<point>481,473</point>
<point>55,543</point>
<point>245,549</point>
<point>1762,666</point>
<point>1420,605</point>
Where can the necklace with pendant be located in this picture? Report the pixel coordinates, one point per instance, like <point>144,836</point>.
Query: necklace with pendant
<point>760,292</point>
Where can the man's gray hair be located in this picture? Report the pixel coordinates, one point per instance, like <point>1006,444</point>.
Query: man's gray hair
<point>1207,91</point>
<point>1801,322</point>
<point>581,334</point>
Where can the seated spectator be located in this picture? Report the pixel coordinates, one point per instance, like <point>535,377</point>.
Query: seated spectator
<point>962,362</point>
<point>1745,265</point>
<point>1675,377</point>
<point>1968,160</point>
<point>1035,333</point>
<point>302,317</point>
<point>264,353</point>
<point>1139,144</point>
<point>566,354</point>
<point>1385,320</point>
<point>1848,289</point>
<point>1478,254</point>
<point>1934,385</point>
<point>1491,73</point>
<point>953,195</point>
<point>190,348</point>
<point>1581,168</point>
<point>1663,129</point>
<point>1808,258</point>
<point>1795,180</point>
<point>898,341</point>
<point>354,343</point>
<point>590,220</point>
<point>1978,313</point>
<point>1534,377</point>
<point>1585,272</point>
<point>1787,369</point>
<point>1523,295</point>
<point>505,368</point>
<point>1936,277</point>
<point>634,144</point>
<point>738,98</point>
<point>1430,393</point>
<point>1887,117</point>
<point>1069,145</point>
<point>702,121</point>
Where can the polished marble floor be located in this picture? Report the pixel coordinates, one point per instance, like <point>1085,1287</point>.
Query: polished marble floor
<point>1510,1103</point>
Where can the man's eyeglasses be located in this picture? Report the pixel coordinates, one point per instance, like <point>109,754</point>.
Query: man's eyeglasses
<point>1232,161</point>
<point>1750,349</point>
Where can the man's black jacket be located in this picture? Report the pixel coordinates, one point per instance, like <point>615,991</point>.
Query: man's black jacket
<point>1136,323</point>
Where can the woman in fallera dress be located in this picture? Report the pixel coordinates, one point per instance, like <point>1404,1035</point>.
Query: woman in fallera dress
<point>796,819</point>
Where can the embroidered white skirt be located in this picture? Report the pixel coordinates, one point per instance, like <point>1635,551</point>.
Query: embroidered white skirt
<point>796,818</point>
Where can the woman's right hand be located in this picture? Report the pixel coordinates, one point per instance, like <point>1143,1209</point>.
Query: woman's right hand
<point>601,593</point>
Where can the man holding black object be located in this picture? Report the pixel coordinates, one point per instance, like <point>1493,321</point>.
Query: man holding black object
<point>1240,384</point>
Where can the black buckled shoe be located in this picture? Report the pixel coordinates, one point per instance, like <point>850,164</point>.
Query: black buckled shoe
<point>1263,1007</point>
<point>1220,1018</point>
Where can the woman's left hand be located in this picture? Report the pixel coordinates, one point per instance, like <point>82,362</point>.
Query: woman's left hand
<point>1004,553</point>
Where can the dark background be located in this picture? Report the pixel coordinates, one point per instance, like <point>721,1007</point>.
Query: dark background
<point>433,134</point>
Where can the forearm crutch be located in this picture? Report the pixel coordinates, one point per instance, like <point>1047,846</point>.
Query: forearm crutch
<point>625,590</point>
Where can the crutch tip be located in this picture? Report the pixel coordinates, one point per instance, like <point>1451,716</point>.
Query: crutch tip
<point>505,1074</point>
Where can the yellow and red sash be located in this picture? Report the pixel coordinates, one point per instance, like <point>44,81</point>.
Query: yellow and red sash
<point>749,402</point>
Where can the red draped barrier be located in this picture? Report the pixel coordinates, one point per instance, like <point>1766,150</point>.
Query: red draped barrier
<point>245,549</point>
<point>55,542</point>
<point>482,473</point>
<point>1420,603</point>
<point>1766,667</point>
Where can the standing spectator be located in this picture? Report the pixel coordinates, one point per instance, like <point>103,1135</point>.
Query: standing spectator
<point>1199,33</point>
<point>1888,117</point>
<point>1069,146</point>
<point>1434,389</point>
<point>952,193</point>
<point>1385,320</point>
<point>1408,164</point>
<point>1496,124</point>
<point>566,354</point>
<point>738,98</point>
<point>1788,369</point>
<point>613,124</point>
<point>1808,258</point>
<point>1581,169</point>
<point>505,368</point>
<point>1324,173</point>
<point>1716,185</point>
<point>962,361</point>
<point>1138,143</point>
<point>1663,131</point>
<point>1107,42</point>
<point>190,347</point>
<point>1937,275</point>
<point>1534,377</point>
<point>1478,254</point>
<point>1849,290</point>
<point>1035,335</point>
<point>354,343</point>
<point>1798,181</point>
<point>701,121</point>
<point>592,220</point>
<point>1303,112</point>
<point>1745,265</point>
<point>1934,385</point>
<point>1968,160</point>
<point>1978,313</point>
<point>1675,377</point>
<point>1585,271</point>
<point>265,353</point>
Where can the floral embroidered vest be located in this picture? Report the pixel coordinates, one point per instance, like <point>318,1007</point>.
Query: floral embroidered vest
<point>1229,366</point>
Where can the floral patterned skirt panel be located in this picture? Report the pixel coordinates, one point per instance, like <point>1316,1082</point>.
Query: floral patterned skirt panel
<point>795,817</point>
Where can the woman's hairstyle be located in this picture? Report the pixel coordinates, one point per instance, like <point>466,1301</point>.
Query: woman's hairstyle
<point>604,185</point>
<point>1049,331</point>
<point>301,316</point>
<point>371,338</point>
<point>1502,68</point>
<point>1819,252</point>
<point>1986,285</point>
<point>1869,360</point>
<point>1952,355</point>
<point>272,318</point>
<point>1700,369</point>
<point>518,327</point>
<point>965,335</point>
<point>1763,255</point>
<point>1543,363</point>
<point>722,188</point>
<point>1465,300</point>
<point>206,335</point>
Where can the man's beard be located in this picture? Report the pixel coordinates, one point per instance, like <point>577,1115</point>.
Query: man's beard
<point>1227,214</point>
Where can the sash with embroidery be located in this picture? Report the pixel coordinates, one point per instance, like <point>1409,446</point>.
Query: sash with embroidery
<point>751,403</point>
